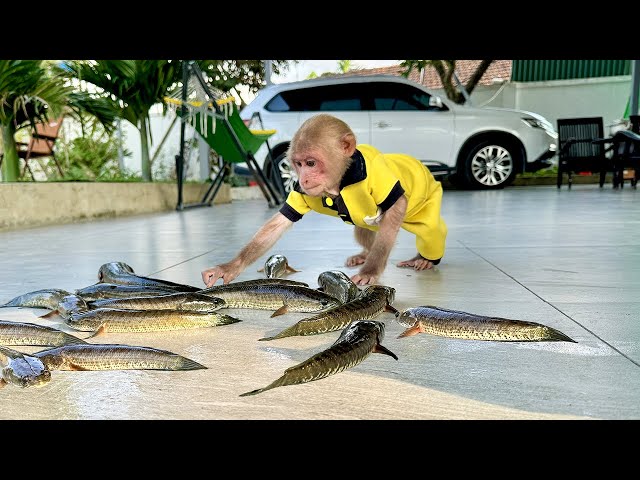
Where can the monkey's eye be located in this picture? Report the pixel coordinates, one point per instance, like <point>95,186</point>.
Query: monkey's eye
<point>311,163</point>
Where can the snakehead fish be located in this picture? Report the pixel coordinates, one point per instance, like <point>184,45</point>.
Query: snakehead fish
<point>122,274</point>
<point>257,281</point>
<point>272,296</point>
<point>69,304</point>
<point>121,320</point>
<point>113,357</point>
<point>374,300</point>
<point>191,301</point>
<point>277,266</point>
<point>21,370</point>
<point>339,285</point>
<point>101,291</point>
<point>30,334</point>
<point>46,298</point>
<point>469,326</point>
<point>356,342</point>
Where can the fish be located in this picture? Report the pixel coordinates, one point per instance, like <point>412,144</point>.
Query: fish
<point>278,297</point>
<point>277,266</point>
<point>69,303</point>
<point>22,370</point>
<point>99,291</point>
<point>30,334</point>
<point>103,356</point>
<point>122,274</point>
<point>254,282</point>
<point>121,320</point>
<point>339,285</point>
<point>45,298</point>
<point>183,301</point>
<point>374,300</point>
<point>355,343</point>
<point>468,326</point>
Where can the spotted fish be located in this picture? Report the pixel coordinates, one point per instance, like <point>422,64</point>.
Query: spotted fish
<point>99,291</point>
<point>22,370</point>
<point>30,334</point>
<point>122,274</point>
<point>356,342</point>
<point>277,266</point>
<point>45,298</point>
<point>339,285</point>
<point>374,300</point>
<point>469,326</point>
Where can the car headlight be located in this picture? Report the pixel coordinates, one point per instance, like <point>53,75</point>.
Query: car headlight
<point>535,123</point>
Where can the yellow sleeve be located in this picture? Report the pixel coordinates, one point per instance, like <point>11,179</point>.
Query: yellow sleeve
<point>295,206</point>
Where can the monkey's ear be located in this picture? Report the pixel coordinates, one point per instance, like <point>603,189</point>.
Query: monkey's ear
<point>348,144</point>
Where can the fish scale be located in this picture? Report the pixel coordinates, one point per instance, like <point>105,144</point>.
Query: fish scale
<point>22,333</point>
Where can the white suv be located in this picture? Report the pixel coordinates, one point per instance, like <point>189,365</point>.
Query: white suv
<point>484,147</point>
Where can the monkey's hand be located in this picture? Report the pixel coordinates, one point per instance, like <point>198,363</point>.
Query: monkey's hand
<point>226,271</point>
<point>368,275</point>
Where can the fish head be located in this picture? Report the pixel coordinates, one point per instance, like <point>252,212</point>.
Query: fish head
<point>275,266</point>
<point>108,270</point>
<point>370,327</point>
<point>26,372</point>
<point>407,317</point>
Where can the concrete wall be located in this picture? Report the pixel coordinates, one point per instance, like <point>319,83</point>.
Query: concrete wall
<point>34,204</point>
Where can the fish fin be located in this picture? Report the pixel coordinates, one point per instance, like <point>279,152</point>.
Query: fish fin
<point>252,392</point>
<point>3,382</point>
<point>77,368</point>
<point>98,331</point>
<point>410,331</point>
<point>49,314</point>
<point>381,349</point>
<point>291,269</point>
<point>392,309</point>
<point>261,270</point>
<point>281,311</point>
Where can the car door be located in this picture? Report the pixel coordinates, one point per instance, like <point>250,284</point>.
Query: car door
<point>403,121</point>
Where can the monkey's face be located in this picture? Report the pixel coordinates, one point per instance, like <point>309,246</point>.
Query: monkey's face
<point>319,172</point>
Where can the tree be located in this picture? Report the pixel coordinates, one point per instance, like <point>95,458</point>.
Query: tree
<point>28,94</point>
<point>445,70</point>
<point>132,87</point>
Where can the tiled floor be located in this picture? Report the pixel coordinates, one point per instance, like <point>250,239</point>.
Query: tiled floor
<point>566,259</point>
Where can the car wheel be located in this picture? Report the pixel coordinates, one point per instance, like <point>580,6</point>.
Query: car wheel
<point>490,164</point>
<point>279,169</point>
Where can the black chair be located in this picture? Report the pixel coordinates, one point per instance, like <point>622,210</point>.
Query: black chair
<point>577,152</point>
<point>625,145</point>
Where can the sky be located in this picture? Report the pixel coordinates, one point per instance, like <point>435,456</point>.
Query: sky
<point>304,67</point>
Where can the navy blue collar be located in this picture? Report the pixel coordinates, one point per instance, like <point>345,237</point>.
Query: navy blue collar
<point>356,172</point>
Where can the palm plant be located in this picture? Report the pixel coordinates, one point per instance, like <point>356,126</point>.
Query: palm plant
<point>133,87</point>
<point>28,94</point>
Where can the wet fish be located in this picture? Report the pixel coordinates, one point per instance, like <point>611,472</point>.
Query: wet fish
<point>122,274</point>
<point>184,301</point>
<point>356,342</point>
<point>469,326</point>
<point>121,320</point>
<point>113,357</point>
<point>21,333</point>
<point>21,370</point>
<point>254,282</point>
<point>278,297</point>
<point>374,300</point>
<point>277,266</point>
<point>339,285</point>
<point>101,291</point>
<point>69,304</point>
<point>45,298</point>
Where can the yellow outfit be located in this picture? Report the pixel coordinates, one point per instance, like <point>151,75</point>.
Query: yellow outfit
<point>372,184</point>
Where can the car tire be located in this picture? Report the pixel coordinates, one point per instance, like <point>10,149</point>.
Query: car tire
<point>279,170</point>
<point>490,164</point>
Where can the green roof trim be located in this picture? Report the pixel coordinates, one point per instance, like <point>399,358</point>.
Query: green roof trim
<point>542,70</point>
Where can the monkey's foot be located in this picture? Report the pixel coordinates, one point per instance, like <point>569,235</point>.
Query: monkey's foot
<point>417,263</point>
<point>358,259</point>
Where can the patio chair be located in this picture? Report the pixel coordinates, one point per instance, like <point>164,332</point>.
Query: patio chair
<point>578,152</point>
<point>41,144</point>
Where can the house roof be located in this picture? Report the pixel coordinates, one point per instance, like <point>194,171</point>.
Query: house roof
<point>464,70</point>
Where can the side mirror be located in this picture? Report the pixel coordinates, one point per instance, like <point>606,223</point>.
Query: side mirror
<point>435,101</point>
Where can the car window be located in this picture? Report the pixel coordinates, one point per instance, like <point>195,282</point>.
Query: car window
<point>326,98</point>
<point>397,96</point>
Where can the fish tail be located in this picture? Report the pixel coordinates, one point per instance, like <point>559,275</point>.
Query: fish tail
<point>49,314</point>
<point>188,364</point>
<point>384,350</point>
<point>259,390</point>
<point>227,319</point>
<point>557,336</point>
<point>72,339</point>
<point>288,332</point>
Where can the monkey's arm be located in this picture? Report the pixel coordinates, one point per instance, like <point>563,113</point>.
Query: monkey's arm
<point>262,241</point>
<point>383,243</point>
